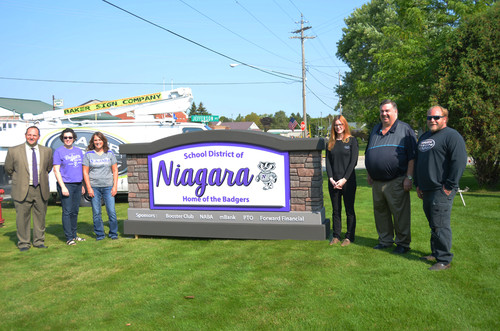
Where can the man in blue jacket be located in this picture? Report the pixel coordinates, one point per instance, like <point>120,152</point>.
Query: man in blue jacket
<point>440,163</point>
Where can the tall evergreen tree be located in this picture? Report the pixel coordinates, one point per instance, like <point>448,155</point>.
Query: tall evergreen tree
<point>193,110</point>
<point>202,110</point>
<point>468,87</point>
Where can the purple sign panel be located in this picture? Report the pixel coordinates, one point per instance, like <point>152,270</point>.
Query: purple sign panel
<point>219,176</point>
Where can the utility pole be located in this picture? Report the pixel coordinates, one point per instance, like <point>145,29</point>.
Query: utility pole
<point>302,37</point>
<point>340,101</point>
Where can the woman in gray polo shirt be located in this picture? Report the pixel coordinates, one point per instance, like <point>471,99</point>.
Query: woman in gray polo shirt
<point>100,173</point>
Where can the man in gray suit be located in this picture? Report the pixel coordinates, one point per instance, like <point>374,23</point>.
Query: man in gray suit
<point>29,165</point>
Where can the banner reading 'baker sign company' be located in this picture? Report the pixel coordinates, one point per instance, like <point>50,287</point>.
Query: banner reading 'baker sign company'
<point>219,176</point>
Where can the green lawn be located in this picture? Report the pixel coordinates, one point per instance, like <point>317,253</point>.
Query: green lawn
<point>199,284</point>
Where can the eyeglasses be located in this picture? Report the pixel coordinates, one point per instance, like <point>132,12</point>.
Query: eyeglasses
<point>435,118</point>
<point>67,138</point>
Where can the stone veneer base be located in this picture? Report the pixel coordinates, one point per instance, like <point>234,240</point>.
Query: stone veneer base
<point>228,231</point>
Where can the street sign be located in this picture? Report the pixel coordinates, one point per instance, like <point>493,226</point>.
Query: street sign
<point>58,103</point>
<point>204,118</point>
<point>303,126</point>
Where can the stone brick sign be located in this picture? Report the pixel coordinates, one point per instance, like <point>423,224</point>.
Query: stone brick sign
<point>220,184</point>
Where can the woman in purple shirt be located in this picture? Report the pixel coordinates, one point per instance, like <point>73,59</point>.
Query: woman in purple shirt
<point>68,172</point>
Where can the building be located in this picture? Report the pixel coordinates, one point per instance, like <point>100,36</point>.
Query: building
<point>11,108</point>
<point>235,126</point>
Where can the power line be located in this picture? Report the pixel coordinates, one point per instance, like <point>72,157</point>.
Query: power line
<point>319,82</point>
<point>236,34</point>
<point>300,11</point>
<point>286,13</point>
<point>270,31</point>
<point>321,100</point>
<point>194,42</point>
<point>138,83</point>
<point>322,72</point>
<point>340,66</point>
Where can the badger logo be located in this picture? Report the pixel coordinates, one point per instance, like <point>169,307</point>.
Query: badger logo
<point>266,175</point>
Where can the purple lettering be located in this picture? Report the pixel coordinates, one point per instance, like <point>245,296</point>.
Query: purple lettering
<point>177,180</point>
<point>242,177</point>
<point>201,180</point>
<point>162,173</point>
<point>202,177</point>
<point>187,177</point>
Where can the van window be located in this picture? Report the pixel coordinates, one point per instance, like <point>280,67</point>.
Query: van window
<point>186,130</point>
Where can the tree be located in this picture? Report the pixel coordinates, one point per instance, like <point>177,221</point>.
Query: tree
<point>253,117</point>
<point>202,110</point>
<point>266,122</point>
<point>280,120</point>
<point>357,48</point>
<point>393,50</point>
<point>192,110</point>
<point>468,87</point>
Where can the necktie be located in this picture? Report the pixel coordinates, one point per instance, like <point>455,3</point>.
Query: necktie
<point>35,169</point>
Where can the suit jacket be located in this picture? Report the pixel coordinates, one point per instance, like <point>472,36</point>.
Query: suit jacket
<point>16,165</point>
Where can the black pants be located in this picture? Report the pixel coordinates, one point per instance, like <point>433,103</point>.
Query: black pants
<point>437,207</point>
<point>348,191</point>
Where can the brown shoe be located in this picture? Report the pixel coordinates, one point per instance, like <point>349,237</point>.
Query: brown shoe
<point>429,258</point>
<point>439,266</point>
<point>334,241</point>
<point>345,242</point>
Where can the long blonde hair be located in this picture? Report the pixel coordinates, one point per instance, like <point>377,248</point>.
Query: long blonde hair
<point>333,133</point>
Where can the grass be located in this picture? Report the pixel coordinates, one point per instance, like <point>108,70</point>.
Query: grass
<point>255,284</point>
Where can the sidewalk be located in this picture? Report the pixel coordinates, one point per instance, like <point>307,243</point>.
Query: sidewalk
<point>360,165</point>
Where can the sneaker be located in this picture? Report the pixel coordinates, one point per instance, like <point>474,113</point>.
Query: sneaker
<point>79,239</point>
<point>334,241</point>
<point>345,242</point>
<point>400,250</point>
<point>429,258</point>
<point>439,266</point>
<point>70,242</point>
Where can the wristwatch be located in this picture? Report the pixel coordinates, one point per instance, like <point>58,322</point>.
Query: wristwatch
<point>409,177</point>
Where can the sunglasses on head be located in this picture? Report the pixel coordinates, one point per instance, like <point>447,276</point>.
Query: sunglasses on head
<point>435,118</point>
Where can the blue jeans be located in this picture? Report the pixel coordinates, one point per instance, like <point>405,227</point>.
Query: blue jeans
<point>70,207</point>
<point>109,201</point>
<point>437,207</point>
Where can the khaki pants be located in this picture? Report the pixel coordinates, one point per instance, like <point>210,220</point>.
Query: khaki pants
<point>392,212</point>
<point>35,202</point>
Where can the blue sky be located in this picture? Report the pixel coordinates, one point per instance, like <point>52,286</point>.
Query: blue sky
<point>92,41</point>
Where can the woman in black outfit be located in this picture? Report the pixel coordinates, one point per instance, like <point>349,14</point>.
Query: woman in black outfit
<point>341,159</point>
